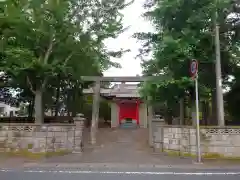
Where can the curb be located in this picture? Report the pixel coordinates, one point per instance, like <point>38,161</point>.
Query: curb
<point>124,166</point>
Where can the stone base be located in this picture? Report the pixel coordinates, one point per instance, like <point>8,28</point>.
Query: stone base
<point>197,163</point>
<point>77,152</point>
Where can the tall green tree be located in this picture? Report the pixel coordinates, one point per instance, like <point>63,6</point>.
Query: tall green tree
<point>47,39</point>
<point>185,31</point>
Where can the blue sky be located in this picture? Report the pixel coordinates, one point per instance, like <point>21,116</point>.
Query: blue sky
<point>132,18</point>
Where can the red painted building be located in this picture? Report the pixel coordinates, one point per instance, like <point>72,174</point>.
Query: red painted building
<point>126,105</point>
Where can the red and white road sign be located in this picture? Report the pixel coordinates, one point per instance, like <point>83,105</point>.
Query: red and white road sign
<point>194,68</point>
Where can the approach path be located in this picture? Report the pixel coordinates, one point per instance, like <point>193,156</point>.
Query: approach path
<point>120,146</point>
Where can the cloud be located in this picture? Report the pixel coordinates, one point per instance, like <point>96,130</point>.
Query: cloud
<point>132,18</point>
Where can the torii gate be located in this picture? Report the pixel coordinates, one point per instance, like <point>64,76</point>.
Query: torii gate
<point>96,98</point>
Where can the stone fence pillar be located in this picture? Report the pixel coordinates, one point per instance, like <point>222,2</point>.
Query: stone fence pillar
<point>78,137</point>
<point>158,133</point>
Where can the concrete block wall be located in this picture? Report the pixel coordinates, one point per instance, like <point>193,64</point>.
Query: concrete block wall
<point>219,141</point>
<point>41,138</point>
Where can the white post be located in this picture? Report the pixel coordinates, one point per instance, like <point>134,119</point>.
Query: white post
<point>197,123</point>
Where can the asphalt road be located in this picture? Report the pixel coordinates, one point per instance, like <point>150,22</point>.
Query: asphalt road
<point>115,174</point>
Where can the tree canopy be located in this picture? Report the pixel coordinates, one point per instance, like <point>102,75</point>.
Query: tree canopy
<point>46,46</point>
<point>185,30</point>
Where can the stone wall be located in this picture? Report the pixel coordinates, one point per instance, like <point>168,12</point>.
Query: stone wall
<point>41,138</point>
<point>215,141</point>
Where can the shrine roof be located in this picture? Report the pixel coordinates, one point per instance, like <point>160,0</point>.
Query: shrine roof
<point>118,90</point>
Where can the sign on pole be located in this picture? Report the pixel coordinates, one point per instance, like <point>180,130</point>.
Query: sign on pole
<point>194,68</point>
<point>194,75</point>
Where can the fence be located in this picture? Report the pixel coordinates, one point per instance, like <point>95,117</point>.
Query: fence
<point>47,119</point>
<point>181,140</point>
<point>42,138</point>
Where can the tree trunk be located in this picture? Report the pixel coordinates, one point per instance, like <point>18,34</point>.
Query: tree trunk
<point>31,108</point>
<point>168,116</point>
<point>205,112</point>
<point>69,102</point>
<point>38,107</point>
<point>186,114</point>
<point>181,111</point>
<point>76,108</point>
<point>194,114</point>
<point>57,101</point>
<point>212,120</point>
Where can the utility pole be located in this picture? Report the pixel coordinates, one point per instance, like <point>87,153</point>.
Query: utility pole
<point>219,91</point>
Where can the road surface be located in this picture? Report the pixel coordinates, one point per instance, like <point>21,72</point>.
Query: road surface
<point>118,174</point>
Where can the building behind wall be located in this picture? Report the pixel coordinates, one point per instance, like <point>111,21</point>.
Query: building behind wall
<point>127,108</point>
<point>7,110</point>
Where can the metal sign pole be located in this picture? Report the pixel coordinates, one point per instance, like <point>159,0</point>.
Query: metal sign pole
<point>199,159</point>
<point>194,75</point>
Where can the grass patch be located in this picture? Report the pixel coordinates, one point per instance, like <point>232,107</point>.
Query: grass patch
<point>204,156</point>
<point>31,155</point>
<point>30,146</point>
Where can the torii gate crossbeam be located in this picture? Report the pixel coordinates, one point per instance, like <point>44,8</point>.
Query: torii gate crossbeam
<point>124,78</point>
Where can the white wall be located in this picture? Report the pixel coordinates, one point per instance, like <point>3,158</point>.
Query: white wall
<point>8,109</point>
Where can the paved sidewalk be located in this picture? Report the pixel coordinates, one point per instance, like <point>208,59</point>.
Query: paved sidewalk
<point>124,166</point>
<point>14,162</point>
<point>127,146</point>
<point>118,148</point>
